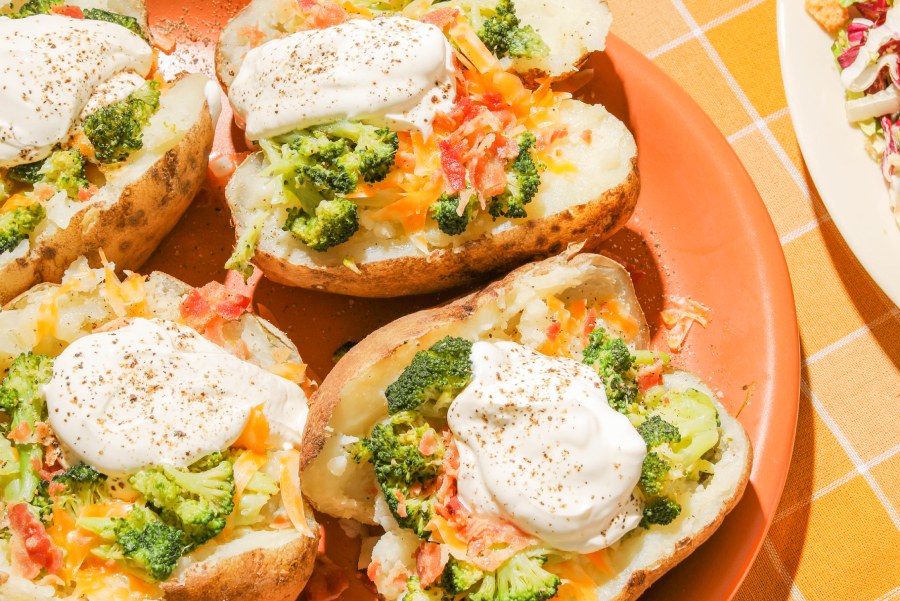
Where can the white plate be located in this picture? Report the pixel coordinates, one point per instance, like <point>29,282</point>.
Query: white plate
<point>849,182</point>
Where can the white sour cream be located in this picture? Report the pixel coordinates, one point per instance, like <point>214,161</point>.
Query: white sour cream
<point>540,447</point>
<point>392,72</point>
<point>157,392</point>
<point>50,66</point>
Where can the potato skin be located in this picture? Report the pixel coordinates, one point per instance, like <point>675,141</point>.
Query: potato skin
<point>259,575</point>
<point>474,261</point>
<point>277,574</point>
<point>129,230</point>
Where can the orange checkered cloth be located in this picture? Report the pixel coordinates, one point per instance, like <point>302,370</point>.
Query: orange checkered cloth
<point>836,533</point>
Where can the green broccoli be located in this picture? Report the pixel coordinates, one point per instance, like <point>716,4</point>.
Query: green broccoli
<point>613,362</point>
<point>444,211</point>
<point>488,589</point>
<point>459,576</point>
<point>375,148</point>
<point>653,474</point>
<point>129,23</point>
<point>335,222</point>
<point>343,350</point>
<point>501,31</point>
<point>414,592</point>
<point>393,450</point>
<point>83,486</point>
<point>64,170</point>
<point>17,225</point>
<point>35,7</point>
<point>521,578</point>
<point>21,399</point>
<point>523,179</point>
<point>660,511</point>
<point>435,376</point>
<point>656,431</point>
<point>196,502</point>
<point>29,173</point>
<point>115,131</point>
<point>141,542</point>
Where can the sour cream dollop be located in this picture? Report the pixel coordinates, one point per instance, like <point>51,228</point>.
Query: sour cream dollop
<point>156,392</point>
<point>540,446</point>
<point>50,67</point>
<point>392,72</point>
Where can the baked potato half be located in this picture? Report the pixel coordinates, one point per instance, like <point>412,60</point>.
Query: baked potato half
<point>570,291</point>
<point>260,554</point>
<point>128,206</point>
<point>569,41</point>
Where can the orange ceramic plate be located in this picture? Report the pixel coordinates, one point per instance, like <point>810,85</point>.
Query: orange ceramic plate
<point>700,230</point>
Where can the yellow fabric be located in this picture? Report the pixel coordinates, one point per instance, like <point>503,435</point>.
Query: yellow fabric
<point>836,533</point>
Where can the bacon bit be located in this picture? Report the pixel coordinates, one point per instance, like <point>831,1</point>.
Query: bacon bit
<point>428,444</point>
<point>454,172</point>
<point>202,306</point>
<point>558,134</point>
<point>587,135</point>
<point>590,322</point>
<point>493,100</point>
<point>374,570</point>
<point>36,542</point>
<point>22,564</point>
<point>164,42</point>
<point>44,433</point>
<point>401,503</point>
<point>21,434</point>
<point>428,563</point>
<point>52,453</point>
<point>416,489</point>
<point>87,193</point>
<point>306,6</point>
<point>327,582</point>
<point>650,375</point>
<point>67,11</point>
<point>506,148</point>
<point>235,284</point>
<point>440,18</point>
<point>680,319</point>
<point>253,34</point>
<point>54,488</point>
<point>325,15</point>
<point>553,330</point>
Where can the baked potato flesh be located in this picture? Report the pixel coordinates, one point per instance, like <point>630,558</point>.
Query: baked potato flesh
<point>517,308</point>
<point>264,556</point>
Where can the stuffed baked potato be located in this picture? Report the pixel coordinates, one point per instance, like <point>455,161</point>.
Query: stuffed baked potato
<point>123,155</point>
<point>243,533</point>
<point>680,462</point>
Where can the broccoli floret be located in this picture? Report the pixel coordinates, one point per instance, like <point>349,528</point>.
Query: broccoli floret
<point>613,362</point>
<point>393,450</point>
<point>375,148</point>
<point>42,503</point>
<point>523,179</point>
<point>501,31</point>
<point>334,222</point>
<point>653,474</point>
<point>660,511</point>
<point>83,486</point>
<point>129,23</point>
<point>459,576</point>
<point>656,431</point>
<point>343,350</point>
<point>35,7</point>
<point>17,225</point>
<point>64,170</point>
<point>444,211</point>
<point>29,173</point>
<point>487,591</point>
<point>196,502</point>
<point>21,399</point>
<point>521,578</point>
<point>436,376</point>
<point>141,542</point>
<point>115,131</point>
<point>414,592</point>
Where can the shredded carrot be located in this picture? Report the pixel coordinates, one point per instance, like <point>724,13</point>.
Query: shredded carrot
<point>255,436</point>
<point>290,490</point>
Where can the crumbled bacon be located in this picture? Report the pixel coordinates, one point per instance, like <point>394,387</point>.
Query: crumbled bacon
<point>429,563</point>
<point>587,135</point>
<point>325,14</point>
<point>36,543</point>
<point>454,172</point>
<point>87,193</point>
<point>67,11</point>
<point>428,444</point>
<point>401,504</point>
<point>553,330</point>
<point>440,18</point>
<point>21,434</point>
<point>374,570</point>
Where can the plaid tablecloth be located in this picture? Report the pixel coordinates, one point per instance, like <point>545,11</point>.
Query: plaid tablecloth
<point>836,533</point>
